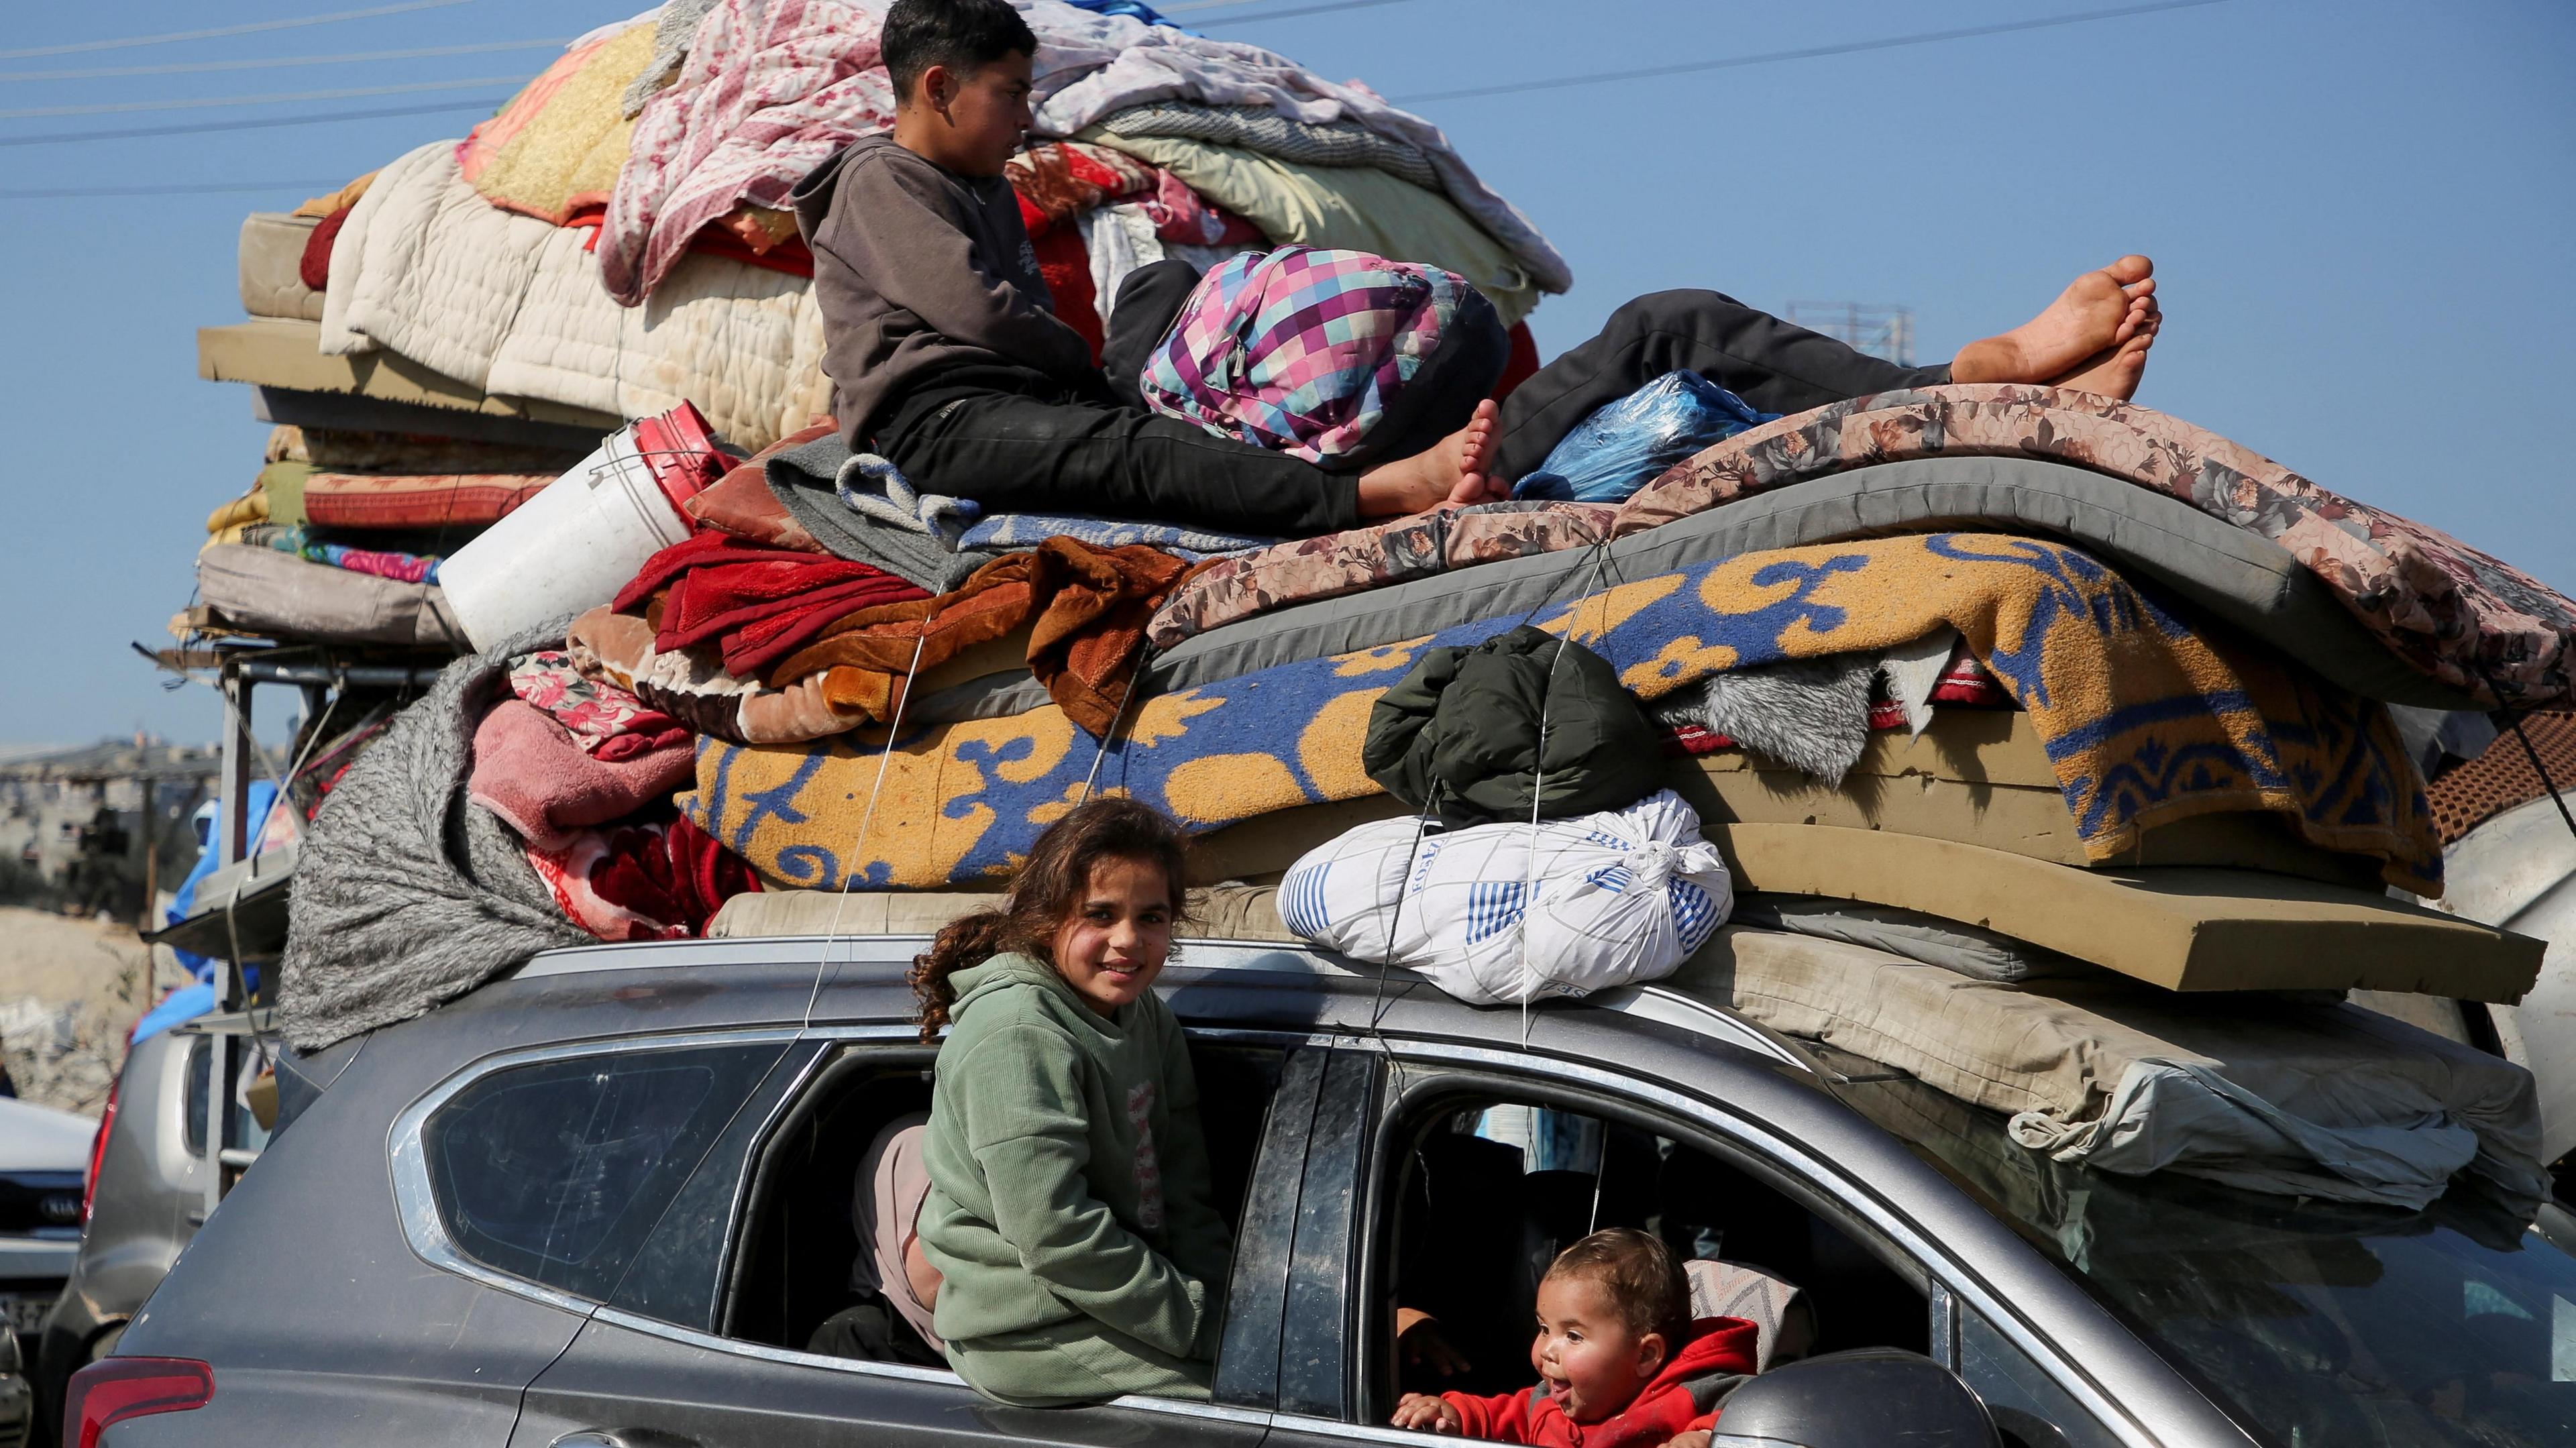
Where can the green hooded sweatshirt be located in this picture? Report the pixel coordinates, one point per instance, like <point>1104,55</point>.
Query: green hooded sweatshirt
<point>1070,1212</point>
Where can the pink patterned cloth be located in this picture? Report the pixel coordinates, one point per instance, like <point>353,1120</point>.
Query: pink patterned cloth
<point>2448,611</point>
<point>770,90</point>
<point>604,719</point>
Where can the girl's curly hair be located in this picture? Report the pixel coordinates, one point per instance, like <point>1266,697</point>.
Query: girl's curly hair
<point>1048,888</point>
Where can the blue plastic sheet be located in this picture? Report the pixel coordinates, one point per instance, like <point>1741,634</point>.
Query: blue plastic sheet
<point>1622,446</point>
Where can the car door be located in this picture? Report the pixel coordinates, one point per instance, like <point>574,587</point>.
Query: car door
<point>663,1371</point>
<point>1337,1374</point>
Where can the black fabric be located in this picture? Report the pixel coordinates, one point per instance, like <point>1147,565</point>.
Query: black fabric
<point>1018,441</point>
<point>1015,453</point>
<point>1768,362</point>
<point>1148,302</point>
<point>873,1332</point>
<point>1442,394</point>
<point>1460,734</point>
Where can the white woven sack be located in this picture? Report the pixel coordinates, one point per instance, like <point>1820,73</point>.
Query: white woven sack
<point>1511,913</point>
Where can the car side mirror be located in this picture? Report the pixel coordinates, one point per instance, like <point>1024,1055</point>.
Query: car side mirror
<point>1864,1398</point>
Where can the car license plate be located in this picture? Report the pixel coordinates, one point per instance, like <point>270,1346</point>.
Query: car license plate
<point>24,1314</point>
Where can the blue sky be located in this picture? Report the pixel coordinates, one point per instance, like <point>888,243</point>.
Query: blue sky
<point>2361,213</point>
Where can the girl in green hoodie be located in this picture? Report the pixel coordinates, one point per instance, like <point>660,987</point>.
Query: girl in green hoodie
<point>1070,1216</point>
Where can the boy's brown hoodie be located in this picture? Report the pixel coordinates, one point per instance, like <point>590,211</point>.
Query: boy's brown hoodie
<point>920,271</point>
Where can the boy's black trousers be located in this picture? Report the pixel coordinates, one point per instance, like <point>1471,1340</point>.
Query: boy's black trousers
<point>1016,441</point>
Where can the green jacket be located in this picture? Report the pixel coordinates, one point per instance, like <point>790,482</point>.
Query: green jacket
<point>1069,1184</point>
<point>1461,731</point>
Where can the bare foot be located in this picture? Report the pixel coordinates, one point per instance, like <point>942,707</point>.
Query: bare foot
<point>2098,311</point>
<point>1454,471</point>
<point>2113,373</point>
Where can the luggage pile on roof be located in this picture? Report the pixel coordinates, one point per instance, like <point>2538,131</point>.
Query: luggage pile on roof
<point>449,334</point>
<point>2088,683</point>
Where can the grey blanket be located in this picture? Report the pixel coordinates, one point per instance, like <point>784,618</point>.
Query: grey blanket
<point>1263,130</point>
<point>405,895</point>
<point>810,481</point>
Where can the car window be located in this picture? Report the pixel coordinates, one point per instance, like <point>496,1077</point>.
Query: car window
<point>555,1171</point>
<point>1490,1184</point>
<point>2030,1409</point>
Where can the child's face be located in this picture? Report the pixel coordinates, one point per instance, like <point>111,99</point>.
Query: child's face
<point>1114,943</point>
<point>1587,1357</point>
<point>985,111</point>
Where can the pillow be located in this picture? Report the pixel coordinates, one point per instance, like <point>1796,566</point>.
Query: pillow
<point>741,503</point>
<point>1338,357</point>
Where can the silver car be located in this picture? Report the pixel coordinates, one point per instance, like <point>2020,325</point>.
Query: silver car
<point>606,1201</point>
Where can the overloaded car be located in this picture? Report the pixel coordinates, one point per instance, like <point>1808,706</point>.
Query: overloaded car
<point>608,1200</point>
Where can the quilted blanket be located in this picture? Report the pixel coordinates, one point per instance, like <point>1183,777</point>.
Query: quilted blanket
<point>771,88</point>
<point>426,267</point>
<point>2145,722</point>
<point>2448,611</point>
<point>556,148</point>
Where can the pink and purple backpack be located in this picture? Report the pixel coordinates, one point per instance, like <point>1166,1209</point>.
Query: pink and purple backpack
<point>1338,357</point>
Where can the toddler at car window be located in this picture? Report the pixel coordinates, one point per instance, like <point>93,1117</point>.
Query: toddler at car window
<point>1070,1215</point>
<point>1621,1364</point>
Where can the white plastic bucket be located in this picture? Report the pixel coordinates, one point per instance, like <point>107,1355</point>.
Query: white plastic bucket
<point>566,550</point>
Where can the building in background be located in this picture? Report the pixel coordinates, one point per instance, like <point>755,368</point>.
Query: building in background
<point>102,827</point>
<point>1880,330</point>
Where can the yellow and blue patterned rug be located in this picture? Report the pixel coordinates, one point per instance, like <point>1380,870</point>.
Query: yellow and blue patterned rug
<point>2145,720</point>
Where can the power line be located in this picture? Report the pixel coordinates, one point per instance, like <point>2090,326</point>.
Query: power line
<point>1301,10</point>
<point>272,62</point>
<point>276,98</point>
<point>132,132</point>
<point>212,188</point>
<point>223,30</point>
<point>1809,53</point>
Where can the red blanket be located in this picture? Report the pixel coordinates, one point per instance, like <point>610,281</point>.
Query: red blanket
<point>758,604</point>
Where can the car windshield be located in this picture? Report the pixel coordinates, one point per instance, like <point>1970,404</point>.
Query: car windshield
<point>2311,1322</point>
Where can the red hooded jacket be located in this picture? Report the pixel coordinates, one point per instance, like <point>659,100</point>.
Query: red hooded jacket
<point>1676,1400</point>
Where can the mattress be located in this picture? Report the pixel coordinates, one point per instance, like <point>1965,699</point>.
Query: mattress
<point>2186,928</point>
<point>272,255</point>
<point>2233,576</point>
<point>262,591</point>
<point>2277,1095</point>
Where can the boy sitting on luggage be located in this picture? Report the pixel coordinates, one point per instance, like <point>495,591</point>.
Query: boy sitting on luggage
<point>947,357</point>
<point>1620,1362</point>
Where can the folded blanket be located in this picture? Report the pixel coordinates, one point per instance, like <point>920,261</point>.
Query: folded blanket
<point>1259,128</point>
<point>662,880</point>
<point>755,604</point>
<point>604,719</point>
<point>1085,608</point>
<point>1028,530</point>
<point>691,685</point>
<point>2145,721</point>
<point>812,500</point>
<point>413,500</point>
<point>1059,180</point>
<point>529,772</point>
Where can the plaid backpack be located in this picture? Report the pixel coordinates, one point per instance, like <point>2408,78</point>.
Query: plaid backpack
<point>1338,357</point>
